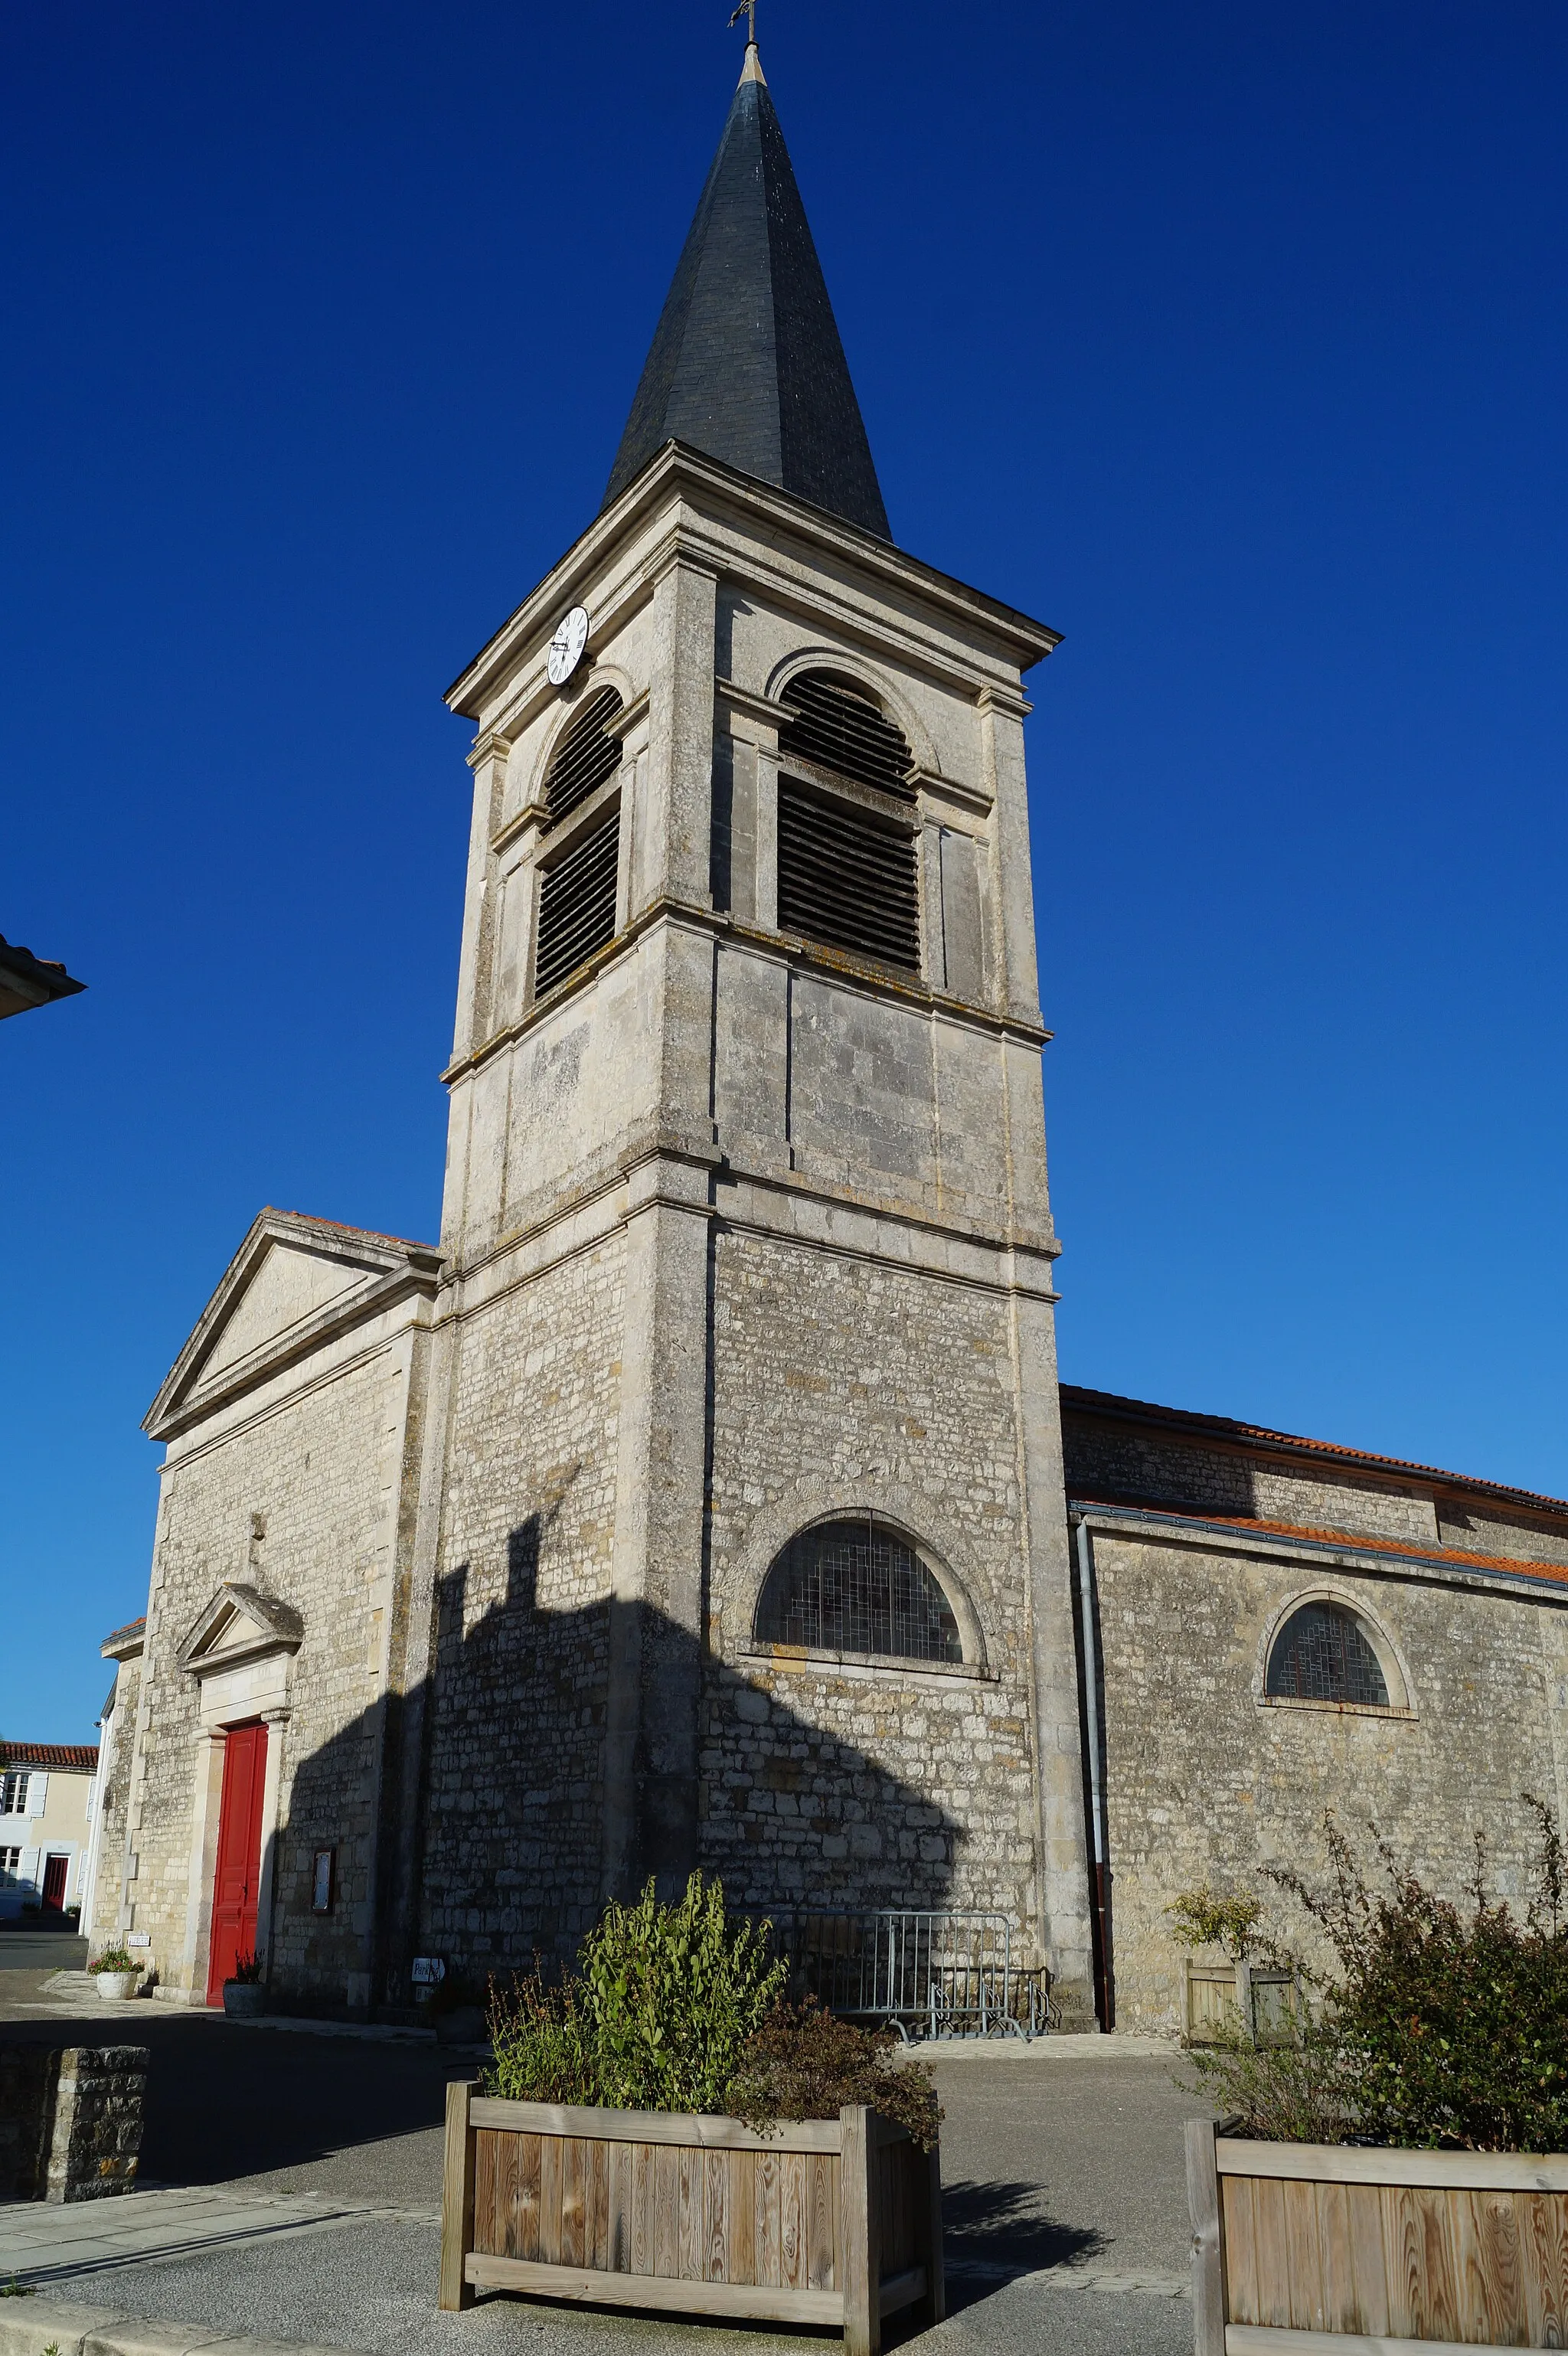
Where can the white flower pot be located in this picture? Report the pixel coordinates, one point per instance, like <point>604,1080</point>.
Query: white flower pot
<point>114,1987</point>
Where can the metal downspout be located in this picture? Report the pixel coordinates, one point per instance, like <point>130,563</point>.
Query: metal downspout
<point>1091,1734</point>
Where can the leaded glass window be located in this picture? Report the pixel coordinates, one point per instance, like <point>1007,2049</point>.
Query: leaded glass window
<point>1321,1653</point>
<point>856,1587</point>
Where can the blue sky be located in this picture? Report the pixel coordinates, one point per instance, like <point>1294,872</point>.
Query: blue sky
<point>1230,341</point>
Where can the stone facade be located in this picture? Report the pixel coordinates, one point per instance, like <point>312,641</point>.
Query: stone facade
<point>741,1232</point>
<point>1203,1537</point>
<point>744,1234</point>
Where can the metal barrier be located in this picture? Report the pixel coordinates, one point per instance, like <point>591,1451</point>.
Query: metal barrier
<point>926,1974</point>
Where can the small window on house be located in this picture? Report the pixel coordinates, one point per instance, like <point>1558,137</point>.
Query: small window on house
<point>839,724</point>
<point>586,755</point>
<point>856,1587</point>
<point>577,904</point>
<point>10,1867</point>
<point>846,877</point>
<point>13,1795</point>
<point>1322,1653</point>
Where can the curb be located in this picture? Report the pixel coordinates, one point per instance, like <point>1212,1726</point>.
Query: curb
<point>30,2327</point>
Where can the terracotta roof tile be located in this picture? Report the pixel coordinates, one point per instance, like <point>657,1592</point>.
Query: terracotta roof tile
<point>1221,1427</point>
<point>1352,1541</point>
<point>343,1227</point>
<point>65,1758</point>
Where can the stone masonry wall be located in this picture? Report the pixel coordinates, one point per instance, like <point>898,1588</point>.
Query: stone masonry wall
<point>312,1472</point>
<point>513,1845</point>
<point>1205,1781</point>
<point>839,1382</point>
<point>120,1733</point>
<point>1120,1463</point>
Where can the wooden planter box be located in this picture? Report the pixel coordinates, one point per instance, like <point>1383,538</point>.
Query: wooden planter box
<point>833,2221</point>
<point>1304,2249</point>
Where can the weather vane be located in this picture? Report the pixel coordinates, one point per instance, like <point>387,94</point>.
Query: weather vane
<point>748,8</point>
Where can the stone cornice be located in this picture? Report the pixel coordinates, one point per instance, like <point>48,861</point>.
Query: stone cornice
<point>675,468</point>
<point>805,956</point>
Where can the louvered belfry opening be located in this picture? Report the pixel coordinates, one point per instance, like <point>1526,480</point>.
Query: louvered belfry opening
<point>846,877</point>
<point>838,726</point>
<point>586,755</point>
<point>847,873</point>
<point>577,902</point>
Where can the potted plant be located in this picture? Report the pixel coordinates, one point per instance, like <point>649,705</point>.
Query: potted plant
<point>659,2130</point>
<point>1394,2168</point>
<point>115,1973</point>
<point>244,1997</point>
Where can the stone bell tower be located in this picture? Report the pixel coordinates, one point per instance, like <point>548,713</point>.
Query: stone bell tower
<point>741,1530</point>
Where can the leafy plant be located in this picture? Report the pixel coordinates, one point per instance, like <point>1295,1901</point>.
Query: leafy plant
<point>114,1959</point>
<point>656,2018</point>
<point>247,1971</point>
<point>670,1995</point>
<point>803,2064</point>
<point>540,2045</point>
<point>1205,1917</point>
<point>15,2289</point>
<point>1436,2025</point>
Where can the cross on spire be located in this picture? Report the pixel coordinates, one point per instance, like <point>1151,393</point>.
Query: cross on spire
<point>748,8</point>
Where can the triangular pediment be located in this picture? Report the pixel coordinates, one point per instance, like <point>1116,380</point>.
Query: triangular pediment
<point>290,1283</point>
<point>240,1625</point>
<point>294,1282</point>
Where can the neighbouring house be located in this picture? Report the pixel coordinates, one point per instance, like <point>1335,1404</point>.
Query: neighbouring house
<point>47,1792</point>
<point>27,981</point>
<point>117,1735</point>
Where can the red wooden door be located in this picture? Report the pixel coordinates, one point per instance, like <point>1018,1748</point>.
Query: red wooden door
<point>238,1877</point>
<point>56,1872</point>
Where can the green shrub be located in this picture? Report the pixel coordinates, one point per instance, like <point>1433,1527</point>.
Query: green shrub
<point>656,2017</point>
<point>803,2064</point>
<point>541,2051</point>
<point>114,1959</point>
<point>1217,1918</point>
<point>1439,2026</point>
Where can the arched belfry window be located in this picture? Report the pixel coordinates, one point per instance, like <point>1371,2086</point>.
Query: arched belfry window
<point>839,724</point>
<point>1323,1654</point>
<point>847,871</point>
<point>586,755</point>
<point>577,887</point>
<point>856,1587</point>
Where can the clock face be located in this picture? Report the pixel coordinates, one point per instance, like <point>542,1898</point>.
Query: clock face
<point>566,647</point>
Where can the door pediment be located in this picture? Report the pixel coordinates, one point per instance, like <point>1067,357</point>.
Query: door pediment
<point>240,1625</point>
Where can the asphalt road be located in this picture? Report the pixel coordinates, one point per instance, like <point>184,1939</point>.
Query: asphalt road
<point>1051,2166</point>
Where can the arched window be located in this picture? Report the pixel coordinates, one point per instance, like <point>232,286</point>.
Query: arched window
<point>839,724</point>
<point>1322,1653</point>
<point>856,1587</point>
<point>586,755</point>
<point>847,869</point>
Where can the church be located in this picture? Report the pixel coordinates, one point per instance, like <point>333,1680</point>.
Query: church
<point>706,1494</point>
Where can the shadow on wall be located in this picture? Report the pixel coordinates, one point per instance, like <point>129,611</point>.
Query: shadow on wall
<point>492,1845</point>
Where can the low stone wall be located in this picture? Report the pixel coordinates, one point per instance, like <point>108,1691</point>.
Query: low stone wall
<point>70,2120</point>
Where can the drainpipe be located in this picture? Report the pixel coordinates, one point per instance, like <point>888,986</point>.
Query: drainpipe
<point>1096,1795</point>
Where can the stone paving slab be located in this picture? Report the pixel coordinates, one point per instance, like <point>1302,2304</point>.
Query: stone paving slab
<point>369,2280</point>
<point>29,2327</point>
<point>42,2242</point>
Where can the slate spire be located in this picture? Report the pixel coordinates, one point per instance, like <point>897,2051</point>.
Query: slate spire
<point>746,363</point>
